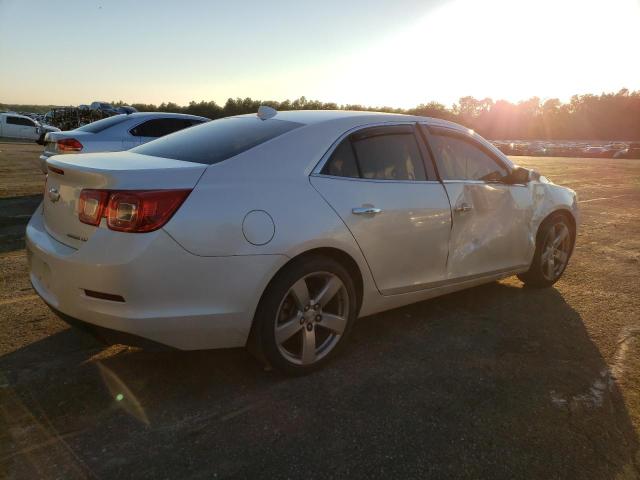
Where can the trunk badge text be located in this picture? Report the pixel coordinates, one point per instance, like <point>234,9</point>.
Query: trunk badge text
<point>54,194</point>
<point>77,237</point>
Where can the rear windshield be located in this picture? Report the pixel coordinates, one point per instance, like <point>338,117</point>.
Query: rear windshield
<point>100,125</point>
<point>215,141</point>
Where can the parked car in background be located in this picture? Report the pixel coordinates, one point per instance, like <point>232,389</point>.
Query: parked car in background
<point>277,231</point>
<point>116,133</point>
<point>632,151</point>
<point>596,152</point>
<point>21,127</point>
<point>126,109</point>
<point>104,107</point>
<point>43,130</point>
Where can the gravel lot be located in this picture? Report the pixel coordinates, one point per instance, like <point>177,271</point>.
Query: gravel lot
<point>493,382</point>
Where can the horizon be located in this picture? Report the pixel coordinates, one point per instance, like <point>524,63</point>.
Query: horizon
<point>370,56</point>
<point>340,106</point>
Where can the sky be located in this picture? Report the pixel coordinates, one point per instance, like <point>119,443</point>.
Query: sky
<point>397,53</point>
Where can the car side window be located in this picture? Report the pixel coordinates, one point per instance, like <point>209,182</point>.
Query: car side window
<point>459,158</point>
<point>379,153</point>
<point>20,121</point>
<point>159,127</point>
<point>342,162</point>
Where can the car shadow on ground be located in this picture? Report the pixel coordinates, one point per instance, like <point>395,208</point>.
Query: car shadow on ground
<point>497,381</point>
<point>15,213</point>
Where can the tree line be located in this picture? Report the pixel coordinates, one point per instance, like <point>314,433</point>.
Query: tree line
<point>609,116</point>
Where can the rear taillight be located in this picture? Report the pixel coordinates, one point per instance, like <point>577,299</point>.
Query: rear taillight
<point>69,145</point>
<point>92,206</point>
<point>135,211</point>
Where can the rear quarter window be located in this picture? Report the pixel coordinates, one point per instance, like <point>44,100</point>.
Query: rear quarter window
<point>215,141</point>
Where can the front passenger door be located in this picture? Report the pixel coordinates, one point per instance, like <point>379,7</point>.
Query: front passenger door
<point>491,229</point>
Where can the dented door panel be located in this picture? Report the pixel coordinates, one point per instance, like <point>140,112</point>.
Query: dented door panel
<point>492,227</point>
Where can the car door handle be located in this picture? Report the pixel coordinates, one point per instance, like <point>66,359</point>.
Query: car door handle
<point>365,210</point>
<point>463,207</point>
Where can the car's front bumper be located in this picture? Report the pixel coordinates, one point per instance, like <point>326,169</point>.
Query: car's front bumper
<point>170,296</point>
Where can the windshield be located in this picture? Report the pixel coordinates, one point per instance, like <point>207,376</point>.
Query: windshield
<point>215,141</point>
<point>100,125</point>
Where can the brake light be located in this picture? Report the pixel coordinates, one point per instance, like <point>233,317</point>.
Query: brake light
<point>69,145</point>
<point>92,205</point>
<point>134,211</point>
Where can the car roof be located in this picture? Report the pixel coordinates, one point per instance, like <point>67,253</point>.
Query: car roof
<point>14,114</point>
<point>329,125</point>
<point>356,118</point>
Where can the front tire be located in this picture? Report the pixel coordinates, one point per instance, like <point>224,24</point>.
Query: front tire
<point>306,314</point>
<point>554,245</point>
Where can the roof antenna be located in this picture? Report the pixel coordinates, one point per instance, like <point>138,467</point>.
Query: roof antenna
<point>264,112</point>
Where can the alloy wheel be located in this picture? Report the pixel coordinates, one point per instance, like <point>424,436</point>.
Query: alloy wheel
<point>311,318</point>
<point>555,252</point>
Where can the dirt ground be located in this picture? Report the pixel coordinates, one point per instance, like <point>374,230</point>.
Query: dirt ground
<point>19,169</point>
<point>497,381</point>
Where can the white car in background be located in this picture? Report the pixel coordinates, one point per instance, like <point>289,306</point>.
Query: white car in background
<point>21,127</point>
<point>277,231</point>
<point>116,133</point>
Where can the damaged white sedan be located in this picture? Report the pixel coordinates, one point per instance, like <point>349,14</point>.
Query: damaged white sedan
<point>277,231</point>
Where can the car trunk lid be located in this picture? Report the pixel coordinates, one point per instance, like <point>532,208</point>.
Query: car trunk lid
<point>70,174</point>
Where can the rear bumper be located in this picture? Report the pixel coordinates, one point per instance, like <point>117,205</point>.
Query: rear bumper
<point>43,162</point>
<point>171,296</point>
<point>109,336</point>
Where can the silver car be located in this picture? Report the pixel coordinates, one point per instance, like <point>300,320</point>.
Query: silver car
<point>277,231</point>
<point>116,133</point>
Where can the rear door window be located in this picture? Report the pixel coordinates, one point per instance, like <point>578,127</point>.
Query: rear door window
<point>378,153</point>
<point>215,141</point>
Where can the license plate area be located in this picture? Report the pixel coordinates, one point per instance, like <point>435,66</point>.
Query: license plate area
<point>40,270</point>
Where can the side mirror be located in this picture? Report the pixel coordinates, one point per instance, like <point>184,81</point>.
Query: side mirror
<point>520,175</point>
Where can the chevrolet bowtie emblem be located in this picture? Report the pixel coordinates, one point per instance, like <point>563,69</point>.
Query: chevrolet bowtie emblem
<point>54,194</point>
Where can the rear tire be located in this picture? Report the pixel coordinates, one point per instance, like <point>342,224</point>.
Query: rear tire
<point>554,245</point>
<point>306,314</point>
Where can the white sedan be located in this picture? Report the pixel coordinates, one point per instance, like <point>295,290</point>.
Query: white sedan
<point>116,133</point>
<point>277,231</point>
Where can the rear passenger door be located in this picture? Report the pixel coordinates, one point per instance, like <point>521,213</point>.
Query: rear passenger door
<point>378,182</point>
<point>158,127</point>
<point>491,218</point>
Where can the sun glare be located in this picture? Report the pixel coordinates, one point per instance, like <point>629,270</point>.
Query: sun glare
<point>501,49</point>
